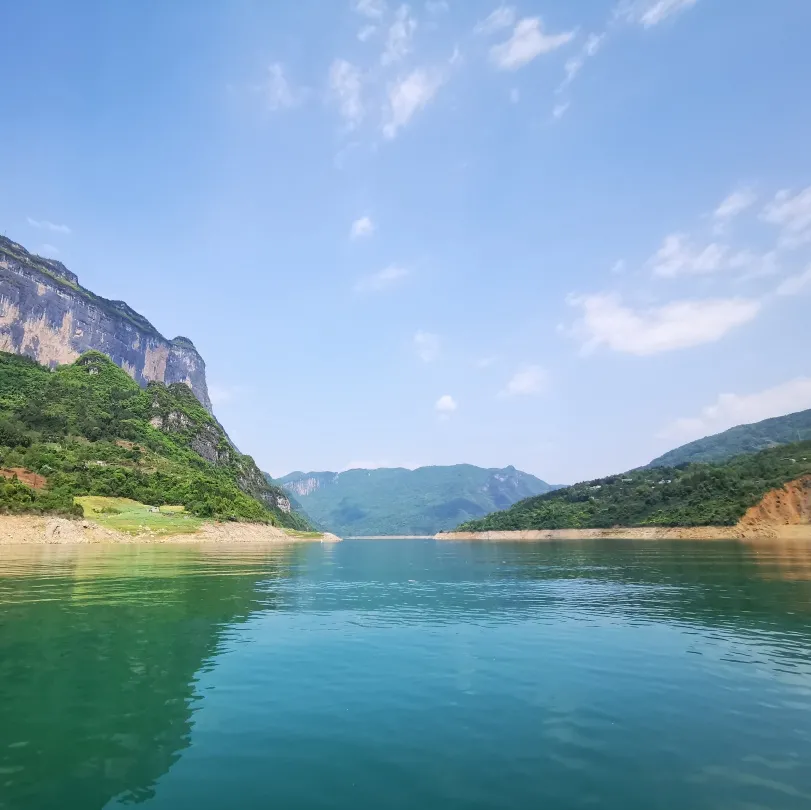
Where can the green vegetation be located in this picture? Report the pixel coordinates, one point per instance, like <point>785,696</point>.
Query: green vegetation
<point>693,494</point>
<point>794,427</point>
<point>399,501</point>
<point>89,429</point>
<point>125,515</point>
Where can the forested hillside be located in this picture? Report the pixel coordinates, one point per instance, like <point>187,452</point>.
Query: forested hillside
<point>794,427</point>
<point>693,494</point>
<point>89,429</point>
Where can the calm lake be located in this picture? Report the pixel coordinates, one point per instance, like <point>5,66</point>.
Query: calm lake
<point>407,674</point>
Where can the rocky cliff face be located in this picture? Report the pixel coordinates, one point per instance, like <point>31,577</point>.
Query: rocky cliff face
<point>47,315</point>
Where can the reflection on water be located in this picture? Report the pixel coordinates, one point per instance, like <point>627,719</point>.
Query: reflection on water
<point>406,673</point>
<point>100,651</point>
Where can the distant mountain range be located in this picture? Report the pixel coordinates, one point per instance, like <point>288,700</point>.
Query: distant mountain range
<point>392,501</point>
<point>793,427</point>
<point>711,481</point>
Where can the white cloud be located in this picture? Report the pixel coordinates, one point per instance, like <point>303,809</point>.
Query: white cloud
<point>792,213</point>
<point>437,6</point>
<point>529,382</point>
<point>43,224</point>
<point>367,32</point>
<point>48,251</point>
<point>278,91</point>
<point>574,65</point>
<point>678,257</point>
<point>407,96</point>
<point>795,284</point>
<point>559,110</point>
<point>502,17</point>
<point>756,265</point>
<point>446,404</point>
<point>363,226</point>
<point>648,13</point>
<point>346,86</point>
<point>369,8</point>
<point>678,325</point>
<point>526,43</point>
<point>730,410</point>
<point>733,205</point>
<point>398,42</point>
<point>619,267</point>
<point>381,280</point>
<point>426,345</point>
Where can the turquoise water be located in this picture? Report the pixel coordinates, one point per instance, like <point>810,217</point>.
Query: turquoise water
<point>407,674</point>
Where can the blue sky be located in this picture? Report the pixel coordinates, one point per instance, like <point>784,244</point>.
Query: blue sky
<point>565,236</point>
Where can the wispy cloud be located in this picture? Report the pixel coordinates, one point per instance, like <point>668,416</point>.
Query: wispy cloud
<point>559,110</point>
<point>730,410</point>
<point>363,226</point>
<point>678,257</point>
<point>574,65</point>
<point>606,321</point>
<point>398,40</point>
<point>792,214</point>
<point>279,93</point>
<point>382,280</point>
<point>369,8</point>
<point>346,87</point>
<point>437,6</point>
<point>734,204</point>
<point>502,17</point>
<point>645,13</point>
<point>795,284</point>
<point>426,344</point>
<point>408,96</point>
<point>47,251</point>
<point>649,13</point>
<point>530,381</point>
<point>527,42</point>
<point>367,32</point>
<point>45,225</point>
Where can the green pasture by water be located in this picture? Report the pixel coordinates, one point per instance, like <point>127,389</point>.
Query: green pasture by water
<point>406,674</point>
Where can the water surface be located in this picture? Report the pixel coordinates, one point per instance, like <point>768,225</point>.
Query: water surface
<point>404,674</point>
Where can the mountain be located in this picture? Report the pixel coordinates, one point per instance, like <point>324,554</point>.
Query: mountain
<point>693,494</point>
<point>47,315</point>
<point>399,501</point>
<point>741,439</point>
<point>88,428</point>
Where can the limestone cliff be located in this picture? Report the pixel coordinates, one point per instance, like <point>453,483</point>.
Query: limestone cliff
<point>47,315</point>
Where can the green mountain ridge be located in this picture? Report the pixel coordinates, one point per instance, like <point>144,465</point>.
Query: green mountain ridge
<point>690,494</point>
<point>394,501</point>
<point>89,429</point>
<point>751,438</point>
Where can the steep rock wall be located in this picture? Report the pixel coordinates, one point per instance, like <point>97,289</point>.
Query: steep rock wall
<point>47,315</point>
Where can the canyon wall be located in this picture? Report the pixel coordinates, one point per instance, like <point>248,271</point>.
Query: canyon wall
<point>47,315</point>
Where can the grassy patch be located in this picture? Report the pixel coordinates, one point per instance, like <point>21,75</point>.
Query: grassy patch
<point>304,535</point>
<point>132,517</point>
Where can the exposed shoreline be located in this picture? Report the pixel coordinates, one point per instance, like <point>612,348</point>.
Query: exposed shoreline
<point>788,532</point>
<point>41,530</point>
